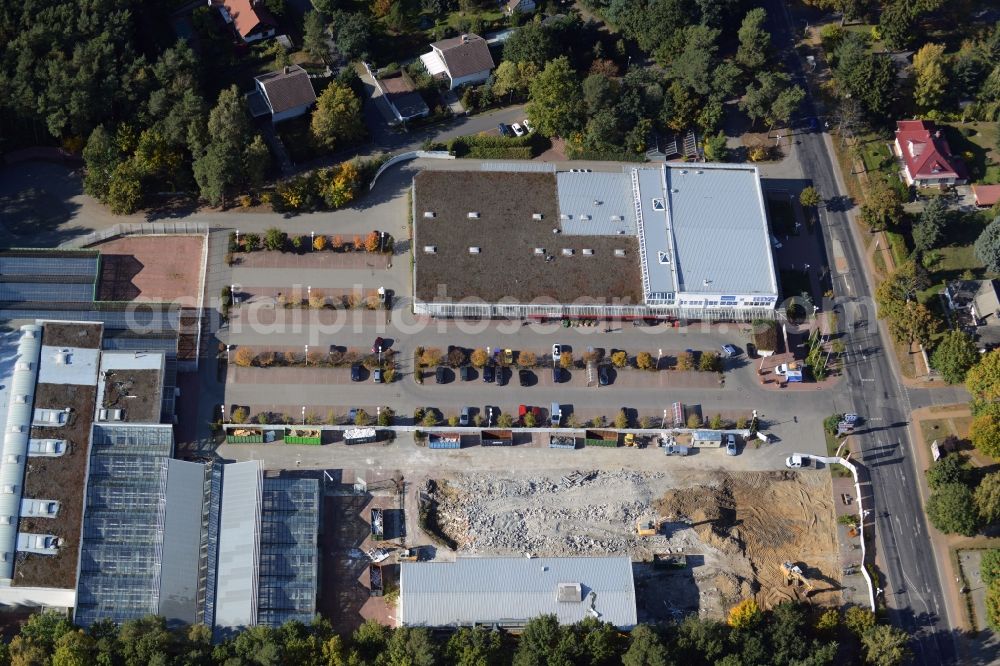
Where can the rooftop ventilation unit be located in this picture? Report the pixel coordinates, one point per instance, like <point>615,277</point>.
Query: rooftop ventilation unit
<point>699,171</point>
<point>17,428</point>
<point>430,249</point>
<point>663,257</point>
<point>429,214</point>
<point>7,490</point>
<point>567,252</point>
<point>569,592</point>
<point>597,202</point>
<point>21,399</point>
<point>617,218</point>
<point>62,357</point>
<point>537,216</point>
<point>621,232</point>
<point>473,215</point>
<point>585,218</point>
<point>658,204</point>
<point>6,520</point>
<point>564,216</point>
<point>588,252</point>
<point>555,231</point>
<point>11,458</point>
<point>474,250</point>
<point>22,365</point>
<point>684,172</point>
<point>29,334</point>
<point>674,190</point>
<point>706,282</point>
<point>539,250</point>
<point>619,252</point>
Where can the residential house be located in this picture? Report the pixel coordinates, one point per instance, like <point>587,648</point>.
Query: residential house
<point>926,156</point>
<point>986,195</point>
<point>523,6</point>
<point>401,95</point>
<point>250,18</point>
<point>288,93</point>
<point>462,60</point>
<point>985,309</point>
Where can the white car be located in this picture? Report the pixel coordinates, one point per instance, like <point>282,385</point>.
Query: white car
<point>518,130</point>
<point>527,126</point>
<point>796,461</point>
<point>556,353</point>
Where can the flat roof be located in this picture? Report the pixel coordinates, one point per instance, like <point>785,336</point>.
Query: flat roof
<point>239,546</point>
<point>68,365</point>
<point>596,203</point>
<point>507,268</point>
<point>512,590</point>
<point>720,234</point>
<point>131,383</point>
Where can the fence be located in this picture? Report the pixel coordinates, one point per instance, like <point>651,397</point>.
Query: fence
<point>137,229</point>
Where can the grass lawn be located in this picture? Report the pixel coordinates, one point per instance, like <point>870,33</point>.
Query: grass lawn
<point>899,247</point>
<point>782,214</point>
<point>876,156</point>
<point>977,149</point>
<point>298,141</point>
<point>940,428</point>
<point>831,449</point>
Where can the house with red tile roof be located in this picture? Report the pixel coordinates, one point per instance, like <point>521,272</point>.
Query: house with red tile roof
<point>249,18</point>
<point>926,156</point>
<point>986,195</point>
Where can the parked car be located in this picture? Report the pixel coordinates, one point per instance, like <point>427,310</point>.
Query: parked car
<point>463,418</point>
<point>731,445</point>
<point>439,375</point>
<point>528,126</point>
<point>556,352</point>
<point>378,345</point>
<point>518,130</point>
<point>489,373</point>
<point>676,450</point>
<point>377,375</point>
<point>355,372</point>
<point>504,130</point>
<point>729,351</point>
<point>465,372</point>
<point>796,460</point>
<point>501,376</point>
<point>557,375</point>
<point>603,375</point>
<point>524,377</point>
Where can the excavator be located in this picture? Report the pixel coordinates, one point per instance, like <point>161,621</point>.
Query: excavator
<point>794,573</point>
<point>647,527</point>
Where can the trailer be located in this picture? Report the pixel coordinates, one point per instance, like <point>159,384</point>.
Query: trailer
<point>496,438</point>
<point>444,440</point>
<point>378,526</point>
<point>669,561</point>
<point>310,436</point>
<point>606,438</point>
<point>678,412</point>
<point>706,438</point>
<point>245,436</point>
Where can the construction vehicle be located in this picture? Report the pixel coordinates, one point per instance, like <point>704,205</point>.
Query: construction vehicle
<point>647,527</point>
<point>792,372</point>
<point>630,439</point>
<point>794,573</point>
<point>409,555</point>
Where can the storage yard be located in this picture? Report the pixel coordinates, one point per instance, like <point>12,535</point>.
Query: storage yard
<point>735,530</point>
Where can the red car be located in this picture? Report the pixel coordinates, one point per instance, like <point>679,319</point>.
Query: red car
<point>377,346</point>
<point>524,409</point>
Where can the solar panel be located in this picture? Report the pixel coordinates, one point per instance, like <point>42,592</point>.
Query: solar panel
<point>54,292</point>
<point>49,266</point>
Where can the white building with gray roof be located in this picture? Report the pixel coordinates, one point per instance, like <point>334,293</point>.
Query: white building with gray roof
<point>667,241</point>
<point>510,591</point>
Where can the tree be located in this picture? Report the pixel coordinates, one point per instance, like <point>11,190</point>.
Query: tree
<point>101,158</point>
<point>989,565</point>
<point>505,421</point>
<point>337,117</point>
<point>479,358</point>
<point>474,647</point>
<point>275,239</point>
<point>931,81</point>
<point>745,615</point>
<point>124,194</point>
<point>755,40</point>
<point>954,355</point>
<point>555,100</point>
<point>532,43</point>
<point>513,78</point>
<point>693,66</point>
<point>987,246</point>
<point>715,147</point>
<point>75,648</point>
<point>914,323</point>
<point>411,646</point>
<point>256,162</point>
<point>244,357</point>
<point>984,432</point>
<point>869,78</point>
<point>621,419</point>
<point>619,359</point>
<point>320,242</point>
<point>859,620</point>
<point>771,98</point>
<point>645,648</point>
<point>685,361</point>
<point>953,468</point>
<point>526,359</point>
<point>993,605</point>
<point>952,510</point>
<point>709,362</point>
<point>566,360</point>
<point>352,33</point>
<point>372,241</point>
<point>431,357</point>
<point>544,641</point>
<point>929,229</point>
<point>340,188</point>
<point>886,645</point>
<point>883,207</point>
<point>983,380</point>
<point>809,197</point>
<point>221,164</point>
<point>644,361</point>
<point>529,420</point>
<point>987,497</point>
<point>896,24</point>
<point>314,35</point>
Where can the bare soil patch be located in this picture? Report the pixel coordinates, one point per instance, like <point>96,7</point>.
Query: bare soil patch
<point>158,268</point>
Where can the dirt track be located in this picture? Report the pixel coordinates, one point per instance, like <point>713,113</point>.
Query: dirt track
<point>737,529</point>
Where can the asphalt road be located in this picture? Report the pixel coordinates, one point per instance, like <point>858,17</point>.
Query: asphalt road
<point>912,585</point>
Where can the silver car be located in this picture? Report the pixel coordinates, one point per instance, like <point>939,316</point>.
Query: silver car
<point>731,445</point>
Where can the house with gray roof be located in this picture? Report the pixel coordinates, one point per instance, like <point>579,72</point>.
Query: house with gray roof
<point>461,60</point>
<point>510,591</point>
<point>287,93</point>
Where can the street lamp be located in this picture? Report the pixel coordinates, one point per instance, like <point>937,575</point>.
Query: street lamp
<point>307,355</point>
<point>663,423</point>
<point>228,347</point>
<point>312,240</point>
<point>232,294</point>
<point>303,414</point>
<point>237,239</point>
<point>659,354</point>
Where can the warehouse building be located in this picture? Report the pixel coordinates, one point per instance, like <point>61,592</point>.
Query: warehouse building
<point>673,241</point>
<point>510,591</point>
